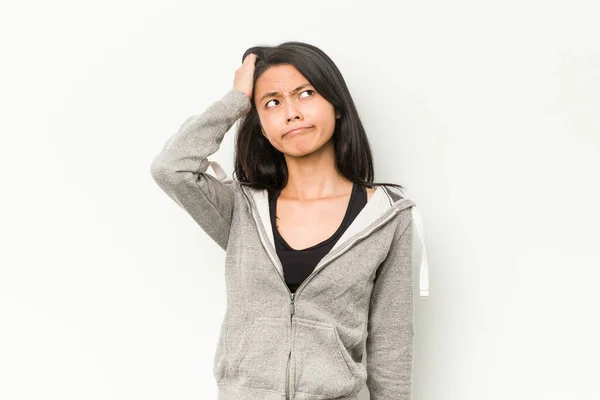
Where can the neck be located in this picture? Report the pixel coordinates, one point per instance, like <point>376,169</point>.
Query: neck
<point>314,176</point>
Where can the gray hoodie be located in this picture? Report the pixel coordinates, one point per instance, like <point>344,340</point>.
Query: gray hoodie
<point>307,345</point>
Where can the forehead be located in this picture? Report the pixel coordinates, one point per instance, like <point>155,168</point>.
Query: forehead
<point>279,78</point>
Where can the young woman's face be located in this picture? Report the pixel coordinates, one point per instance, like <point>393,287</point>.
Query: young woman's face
<point>289,109</point>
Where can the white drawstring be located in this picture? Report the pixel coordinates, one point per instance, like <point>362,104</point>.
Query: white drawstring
<point>221,175</point>
<point>424,268</point>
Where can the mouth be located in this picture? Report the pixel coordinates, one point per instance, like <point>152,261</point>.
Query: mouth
<point>297,130</point>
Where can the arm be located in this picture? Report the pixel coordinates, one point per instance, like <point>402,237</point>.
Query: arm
<point>180,168</point>
<point>390,328</point>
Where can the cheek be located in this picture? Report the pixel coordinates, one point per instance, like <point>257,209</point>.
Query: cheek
<point>327,119</point>
<point>265,121</point>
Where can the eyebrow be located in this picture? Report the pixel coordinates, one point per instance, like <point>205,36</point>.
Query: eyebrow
<point>271,94</point>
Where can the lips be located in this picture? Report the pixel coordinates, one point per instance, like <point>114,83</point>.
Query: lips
<point>297,130</point>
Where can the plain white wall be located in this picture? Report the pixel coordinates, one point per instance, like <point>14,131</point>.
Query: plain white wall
<point>486,111</point>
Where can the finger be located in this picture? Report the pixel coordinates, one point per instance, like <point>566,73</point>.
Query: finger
<point>251,57</point>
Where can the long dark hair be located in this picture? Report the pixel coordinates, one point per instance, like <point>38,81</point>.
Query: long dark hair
<point>260,165</point>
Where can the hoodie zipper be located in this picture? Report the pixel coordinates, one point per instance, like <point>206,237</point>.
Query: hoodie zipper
<point>287,374</point>
<point>315,271</point>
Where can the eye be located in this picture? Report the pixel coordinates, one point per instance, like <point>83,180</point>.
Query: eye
<point>267,105</point>
<point>308,90</point>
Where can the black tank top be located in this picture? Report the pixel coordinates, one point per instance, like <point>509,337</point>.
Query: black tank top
<point>299,264</point>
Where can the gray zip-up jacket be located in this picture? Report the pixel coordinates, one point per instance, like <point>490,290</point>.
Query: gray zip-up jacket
<point>275,345</point>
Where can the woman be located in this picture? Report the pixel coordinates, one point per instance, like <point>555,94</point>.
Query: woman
<point>319,260</point>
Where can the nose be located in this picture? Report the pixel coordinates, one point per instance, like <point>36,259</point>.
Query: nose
<point>292,112</point>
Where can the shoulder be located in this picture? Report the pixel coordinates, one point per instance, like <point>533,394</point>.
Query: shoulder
<point>395,194</point>
<point>399,199</point>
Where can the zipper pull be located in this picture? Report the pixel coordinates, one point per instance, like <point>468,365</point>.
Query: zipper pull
<point>292,304</point>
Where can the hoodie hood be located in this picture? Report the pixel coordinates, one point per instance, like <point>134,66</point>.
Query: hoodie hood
<point>383,205</point>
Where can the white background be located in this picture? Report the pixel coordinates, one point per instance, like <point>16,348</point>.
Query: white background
<point>488,112</point>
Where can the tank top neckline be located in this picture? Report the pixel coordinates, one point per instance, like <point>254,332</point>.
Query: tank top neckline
<point>356,188</point>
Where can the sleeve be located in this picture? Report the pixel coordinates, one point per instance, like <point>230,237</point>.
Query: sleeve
<point>391,327</point>
<point>180,168</point>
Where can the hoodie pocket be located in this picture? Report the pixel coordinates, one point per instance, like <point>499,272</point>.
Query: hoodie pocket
<point>323,365</point>
<point>261,360</point>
